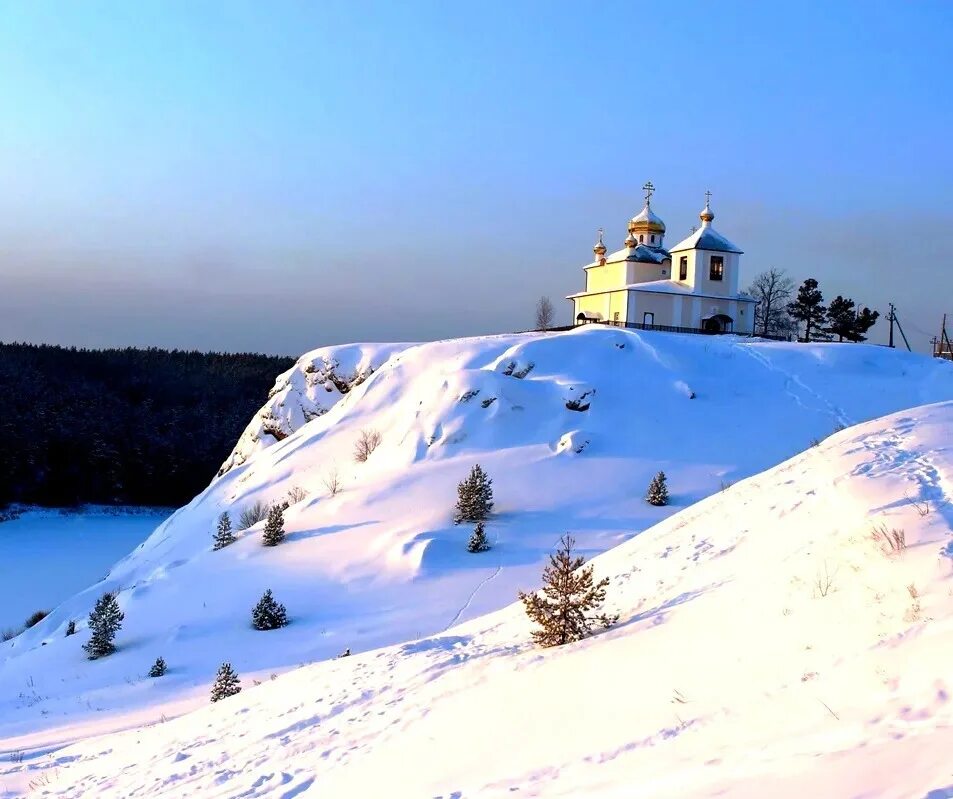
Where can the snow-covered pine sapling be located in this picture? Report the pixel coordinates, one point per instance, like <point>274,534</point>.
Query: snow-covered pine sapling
<point>71,627</point>
<point>478,542</point>
<point>268,614</point>
<point>658,490</point>
<point>569,595</point>
<point>226,683</point>
<point>474,497</point>
<point>158,668</point>
<point>223,533</point>
<point>274,532</point>
<point>104,622</point>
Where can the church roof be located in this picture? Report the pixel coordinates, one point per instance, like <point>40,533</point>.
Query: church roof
<point>640,253</point>
<point>707,238</point>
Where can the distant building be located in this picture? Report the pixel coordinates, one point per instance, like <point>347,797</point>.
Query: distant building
<point>694,285</point>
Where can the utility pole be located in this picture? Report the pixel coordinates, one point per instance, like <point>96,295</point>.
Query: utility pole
<point>890,318</point>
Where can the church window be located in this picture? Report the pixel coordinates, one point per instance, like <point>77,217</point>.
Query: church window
<point>653,238</point>
<point>683,268</point>
<point>716,270</point>
<point>641,238</point>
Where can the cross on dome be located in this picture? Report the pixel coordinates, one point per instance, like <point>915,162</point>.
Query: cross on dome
<point>647,226</point>
<point>649,190</point>
<point>706,215</point>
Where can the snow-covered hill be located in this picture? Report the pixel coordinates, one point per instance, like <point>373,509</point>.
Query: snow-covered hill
<point>771,643</point>
<point>380,562</point>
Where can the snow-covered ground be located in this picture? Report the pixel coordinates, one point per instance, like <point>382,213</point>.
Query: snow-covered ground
<point>771,643</point>
<point>48,555</point>
<point>381,563</point>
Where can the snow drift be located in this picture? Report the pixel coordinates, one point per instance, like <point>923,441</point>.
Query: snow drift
<point>774,639</point>
<point>570,426</point>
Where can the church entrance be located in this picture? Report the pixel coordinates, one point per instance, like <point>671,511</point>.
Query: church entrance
<point>719,323</point>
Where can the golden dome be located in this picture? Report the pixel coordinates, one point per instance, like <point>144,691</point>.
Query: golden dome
<point>706,214</point>
<point>646,221</point>
<point>599,248</point>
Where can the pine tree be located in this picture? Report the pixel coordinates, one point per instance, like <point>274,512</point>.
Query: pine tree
<point>274,532</point>
<point>840,317</point>
<point>223,535</point>
<point>158,668</point>
<point>268,614</point>
<point>569,595</point>
<point>478,542</point>
<point>658,490</point>
<point>226,683</point>
<point>71,627</point>
<point>864,320</point>
<point>104,622</point>
<point>474,497</point>
<point>808,307</point>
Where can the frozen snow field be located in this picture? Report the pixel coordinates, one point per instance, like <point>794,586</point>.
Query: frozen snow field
<point>731,664</point>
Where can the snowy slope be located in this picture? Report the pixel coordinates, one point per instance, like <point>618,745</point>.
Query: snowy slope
<point>770,644</point>
<point>381,562</point>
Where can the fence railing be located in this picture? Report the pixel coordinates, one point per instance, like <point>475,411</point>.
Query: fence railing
<point>668,329</point>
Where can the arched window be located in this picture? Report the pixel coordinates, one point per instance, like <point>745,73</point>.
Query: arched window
<point>653,238</point>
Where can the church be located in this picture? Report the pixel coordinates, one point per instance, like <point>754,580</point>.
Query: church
<point>693,286</point>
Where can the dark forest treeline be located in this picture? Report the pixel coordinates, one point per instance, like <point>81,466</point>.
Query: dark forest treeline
<point>124,426</point>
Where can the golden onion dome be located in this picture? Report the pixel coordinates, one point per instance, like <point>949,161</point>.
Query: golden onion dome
<point>646,221</point>
<point>599,248</point>
<point>707,215</point>
<point>631,241</point>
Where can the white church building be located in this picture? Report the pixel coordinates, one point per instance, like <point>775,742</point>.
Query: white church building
<point>693,285</point>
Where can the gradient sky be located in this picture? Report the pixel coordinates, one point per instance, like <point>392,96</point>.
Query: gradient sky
<point>276,176</point>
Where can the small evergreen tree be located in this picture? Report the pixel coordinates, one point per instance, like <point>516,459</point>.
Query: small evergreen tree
<point>268,614</point>
<point>104,622</point>
<point>71,627</point>
<point>569,595</point>
<point>158,668</point>
<point>226,683</point>
<point>223,534</point>
<point>864,320</point>
<point>840,317</point>
<point>274,532</point>
<point>474,497</point>
<point>478,542</point>
<point>658,490</point>
<point>808,307</point>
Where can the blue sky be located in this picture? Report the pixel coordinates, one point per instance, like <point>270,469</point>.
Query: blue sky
<point>277,176</point>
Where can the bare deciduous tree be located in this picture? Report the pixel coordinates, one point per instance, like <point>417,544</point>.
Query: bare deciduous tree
<point>544,314</point>
<point>772,290</point>
<point>368,440</point>
<point>332,481</point>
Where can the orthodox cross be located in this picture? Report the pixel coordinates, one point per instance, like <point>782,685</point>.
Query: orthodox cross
<point>600,232</point>
<point>707,198</point>
<point>649,190</point>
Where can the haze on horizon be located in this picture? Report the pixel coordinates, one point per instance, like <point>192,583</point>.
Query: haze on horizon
<point>243,176</point>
